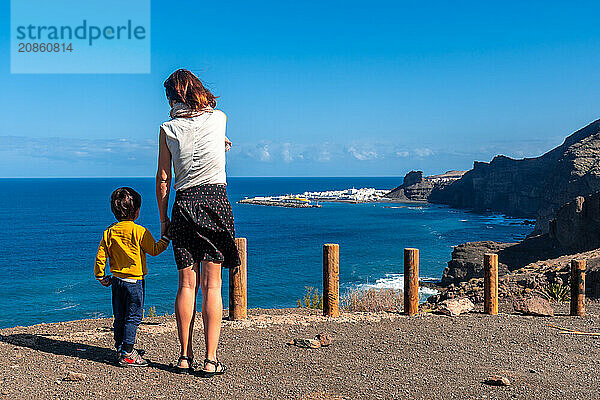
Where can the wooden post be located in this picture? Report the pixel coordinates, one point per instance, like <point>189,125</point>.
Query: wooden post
<point>238,280</point>
<point>411,281</point>
<point>490,283</point>
<point>578,287</point>
<point>331,280</point>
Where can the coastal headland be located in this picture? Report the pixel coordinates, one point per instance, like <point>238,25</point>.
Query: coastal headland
<point>372,356</point>
<point>533,188</point>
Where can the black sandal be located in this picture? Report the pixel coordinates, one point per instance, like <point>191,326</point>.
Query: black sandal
<point>210,374</point>
<point>181,370</point>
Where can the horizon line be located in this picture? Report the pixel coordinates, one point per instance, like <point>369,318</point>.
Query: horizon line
<point>238,176</point>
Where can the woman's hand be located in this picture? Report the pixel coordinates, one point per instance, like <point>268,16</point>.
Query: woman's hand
<point>164,226</point>
<point>106,281</point>
<point>227,144</point>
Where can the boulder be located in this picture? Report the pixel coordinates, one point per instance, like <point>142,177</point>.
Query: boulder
<point>533,306</point>
<point>454,307</point>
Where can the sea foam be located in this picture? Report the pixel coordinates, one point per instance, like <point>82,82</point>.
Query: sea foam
<point>396,281</point>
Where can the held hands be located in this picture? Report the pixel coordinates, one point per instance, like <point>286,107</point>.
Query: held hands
<point>164,226</point>
<point>106,281</point>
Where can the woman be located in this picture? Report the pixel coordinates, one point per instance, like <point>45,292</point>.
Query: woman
<point>201,229</point>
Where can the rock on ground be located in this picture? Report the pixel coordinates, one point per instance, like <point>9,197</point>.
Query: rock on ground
<point>533,306</point>
<point>454,307</point>
<point>324,338</point>
<point>497,380</point>
<point>74,377</point>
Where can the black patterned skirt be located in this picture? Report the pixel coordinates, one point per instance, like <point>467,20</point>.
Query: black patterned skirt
<point>202,227</point>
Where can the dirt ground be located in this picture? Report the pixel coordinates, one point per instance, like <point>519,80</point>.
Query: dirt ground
<point>373,356</point>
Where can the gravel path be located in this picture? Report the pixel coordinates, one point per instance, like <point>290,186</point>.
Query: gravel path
<point>373,356</point>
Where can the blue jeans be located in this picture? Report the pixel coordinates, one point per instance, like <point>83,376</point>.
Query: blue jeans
<point>128,310</point>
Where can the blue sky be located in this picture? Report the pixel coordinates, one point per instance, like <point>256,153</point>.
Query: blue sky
<point>319,88</point>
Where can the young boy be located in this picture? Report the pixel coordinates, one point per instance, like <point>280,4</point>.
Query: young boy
<point>125,245</point>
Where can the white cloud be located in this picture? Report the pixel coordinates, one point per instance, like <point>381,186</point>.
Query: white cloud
<point>263,153</point>
<point>124,156</point>
<point>74,149</point>
<point>423,152</point>
<point>324,155</point>
<point>362,155</point>
<point>286,153</point>
<point>259,152</point>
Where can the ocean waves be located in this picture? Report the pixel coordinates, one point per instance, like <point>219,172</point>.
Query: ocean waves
<point>396,281</point>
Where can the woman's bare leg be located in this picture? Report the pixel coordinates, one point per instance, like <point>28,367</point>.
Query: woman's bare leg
<point>185,309</point>
<point>190,350</point>
<point>212,309</point>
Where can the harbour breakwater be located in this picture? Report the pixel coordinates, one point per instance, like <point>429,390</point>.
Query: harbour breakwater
<point>278,203</point>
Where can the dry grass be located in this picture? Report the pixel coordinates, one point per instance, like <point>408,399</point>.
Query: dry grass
<point>151,312</point>
<point>372,300</point>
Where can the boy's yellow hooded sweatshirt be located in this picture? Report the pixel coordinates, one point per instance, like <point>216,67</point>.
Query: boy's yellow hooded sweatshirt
<point>125,245</point>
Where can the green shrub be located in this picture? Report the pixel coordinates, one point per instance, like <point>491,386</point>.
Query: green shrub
<point>311,299</point>
<point>556,292</point>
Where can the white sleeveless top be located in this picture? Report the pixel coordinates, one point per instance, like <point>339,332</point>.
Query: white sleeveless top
<point>197,147</point>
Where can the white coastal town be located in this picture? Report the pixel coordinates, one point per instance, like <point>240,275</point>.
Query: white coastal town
<point>312,199</point>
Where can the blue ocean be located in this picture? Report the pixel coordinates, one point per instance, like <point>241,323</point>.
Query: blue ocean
<point>52,228</point>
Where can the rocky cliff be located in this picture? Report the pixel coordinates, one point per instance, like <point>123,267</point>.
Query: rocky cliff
<point>576,225</point>
<point>533,277</point>
<point>416,187</point>
<point>467,258</point>
<point>530,187</point>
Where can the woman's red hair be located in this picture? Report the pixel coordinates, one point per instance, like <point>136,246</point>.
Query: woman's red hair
<point>185,87</point>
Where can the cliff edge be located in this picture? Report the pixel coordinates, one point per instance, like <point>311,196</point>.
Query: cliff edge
<point>530,187</point>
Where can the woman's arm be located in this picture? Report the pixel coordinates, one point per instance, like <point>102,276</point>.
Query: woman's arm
<point>163,181</point>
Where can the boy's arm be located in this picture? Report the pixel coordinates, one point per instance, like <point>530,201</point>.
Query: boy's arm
<point>150,246</point>
<point>101,257</point>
